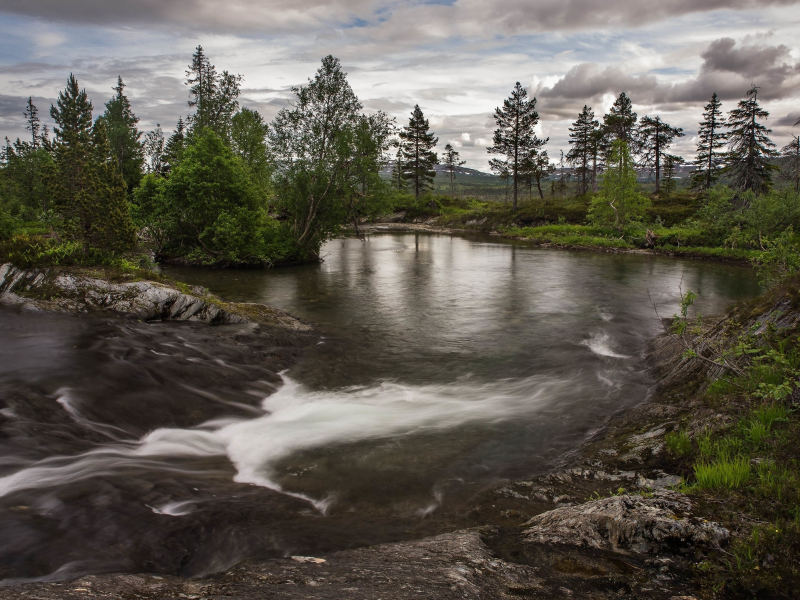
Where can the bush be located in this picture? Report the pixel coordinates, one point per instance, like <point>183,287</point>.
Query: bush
<point>8,225</point>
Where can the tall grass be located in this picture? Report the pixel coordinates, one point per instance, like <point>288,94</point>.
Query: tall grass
<point>724,474</point>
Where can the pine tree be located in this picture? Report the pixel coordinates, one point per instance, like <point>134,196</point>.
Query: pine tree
<point>176,144</point>
<point>398,170</point>
<point>451,163</point>
<point>670,163</point>
<point>791,163</point>
<point>597,148</point>
<point>583,142</point>
<point>87,191</point>
<point>535,168</point>
<point>33,123</point>
<point>514,137</point>
<point>214,96</point>
<point>710,141</point>
<point>123,136</point>
<point>654,139</point>
<point>620,122</point>
<point>201,77</point>
<point>419,160</point>
<point>750,148</point>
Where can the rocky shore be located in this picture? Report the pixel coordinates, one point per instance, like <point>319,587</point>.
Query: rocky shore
<point>608,523</point>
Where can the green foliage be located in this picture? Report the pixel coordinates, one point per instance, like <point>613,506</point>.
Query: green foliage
<point>780,259</point>
<point>620,200</point>
<point>416,150</point>
<point>728,474</point>
<point>679,443</point>
<point>209,209</point>
<point>8,225</point>
<point>327,157</point>
<point>88,193</point>
<point>123,137</point>
<point>249,142</point>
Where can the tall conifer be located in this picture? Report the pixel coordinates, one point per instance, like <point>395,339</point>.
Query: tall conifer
<point>33,123</point>
<point>514,137</point>
<point>419,159</point>
<point>87,191</point>
<point>710,143</point>
<point>791,163</point>
<point>582,139</point>
<point>123,136</point>
<point>620,122</point>
<point>750,148</point>
<point>451,163</point>
<point>654,137</point>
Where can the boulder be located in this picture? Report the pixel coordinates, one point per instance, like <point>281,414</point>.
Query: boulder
<point>626,524</point>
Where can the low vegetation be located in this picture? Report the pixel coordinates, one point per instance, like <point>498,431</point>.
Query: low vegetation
<point>745,470</point>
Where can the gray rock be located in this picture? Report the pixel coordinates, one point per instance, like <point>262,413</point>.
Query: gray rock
<point>626,524</point>
<point>52,289</point>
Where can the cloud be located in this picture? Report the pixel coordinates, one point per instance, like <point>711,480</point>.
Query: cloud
<point>727,69</point>
<point>470,18</point>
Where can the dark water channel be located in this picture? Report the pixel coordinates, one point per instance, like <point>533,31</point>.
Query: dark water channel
<point>446,364</point>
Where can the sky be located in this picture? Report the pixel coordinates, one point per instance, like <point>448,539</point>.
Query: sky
<point>457,59</point>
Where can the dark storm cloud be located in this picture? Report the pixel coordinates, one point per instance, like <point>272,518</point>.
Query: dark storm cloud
<point>727,69</point>
<point>789,120</point>
<point>475,18</point>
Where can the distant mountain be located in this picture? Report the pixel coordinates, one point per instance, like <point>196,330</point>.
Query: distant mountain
<point>441,169</point>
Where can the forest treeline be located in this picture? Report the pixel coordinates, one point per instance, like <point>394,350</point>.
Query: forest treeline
<point>228,188</point>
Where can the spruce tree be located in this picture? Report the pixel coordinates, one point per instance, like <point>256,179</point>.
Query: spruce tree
<point>176,144</point>
<point>514,137</point>
<point>33,123</point>
<point>670,163</point>
<point>419,159</point>
<point>214,96</point>
<point>654,139</point>
<point>791,163</point>
<point>583,141</point>
<point>398,170</point>
<point>88,192</point>
<point>201,77</point>
<point>710,140</point>
<point>451,163</point>
<point>620,122</point>
<point>750,148</point>
<point>123,136</point>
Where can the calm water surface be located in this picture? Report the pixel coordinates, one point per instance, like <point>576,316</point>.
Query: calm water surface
<point>446,364</point>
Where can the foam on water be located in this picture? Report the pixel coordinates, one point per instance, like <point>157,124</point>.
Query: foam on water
<point>600,344</point>
<point>299,419</point>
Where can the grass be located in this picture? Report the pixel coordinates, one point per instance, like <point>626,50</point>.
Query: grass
<point>726,474</point>
<point>679,443</point>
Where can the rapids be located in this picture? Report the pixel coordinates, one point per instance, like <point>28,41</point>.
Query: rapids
<point>441,365</point>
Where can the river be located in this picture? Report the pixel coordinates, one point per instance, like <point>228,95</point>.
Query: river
<point>445,364</point>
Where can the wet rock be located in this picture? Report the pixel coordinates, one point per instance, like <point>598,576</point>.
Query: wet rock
<point>626,524</point>
<point>49,289</point>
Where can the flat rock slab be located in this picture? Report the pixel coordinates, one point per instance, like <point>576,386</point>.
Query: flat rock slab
<point>453,565</point>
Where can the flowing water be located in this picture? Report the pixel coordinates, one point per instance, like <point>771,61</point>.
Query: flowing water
<point>446,364</point>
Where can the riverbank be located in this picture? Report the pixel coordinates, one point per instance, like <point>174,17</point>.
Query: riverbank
<point>603,524</point>
<point>569,237</point>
